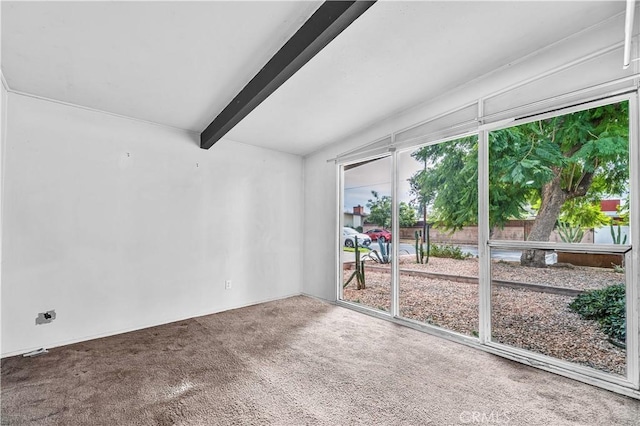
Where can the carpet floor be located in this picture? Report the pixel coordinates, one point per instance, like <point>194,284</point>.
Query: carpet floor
<point>297,361</point>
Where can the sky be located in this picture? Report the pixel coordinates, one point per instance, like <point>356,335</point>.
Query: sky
<point>376,176</point>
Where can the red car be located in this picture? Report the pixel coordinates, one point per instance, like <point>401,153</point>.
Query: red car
<point>381,235</point>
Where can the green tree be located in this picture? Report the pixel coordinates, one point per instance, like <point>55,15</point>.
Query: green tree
<point>583,213</point>
<point>447,187</point>
<point>407,216</point>
<point>623,211</point>
<point>560,165</point>
<point>380,212</point>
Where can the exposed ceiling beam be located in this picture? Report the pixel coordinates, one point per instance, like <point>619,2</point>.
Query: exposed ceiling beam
<point>331,18</point>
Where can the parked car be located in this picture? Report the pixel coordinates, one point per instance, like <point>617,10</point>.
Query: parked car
<point>381,235</point>
<point>349,238</point>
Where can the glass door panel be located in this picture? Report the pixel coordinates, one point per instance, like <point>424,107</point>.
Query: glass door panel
<point>438,265</point>
<point>366,207</point>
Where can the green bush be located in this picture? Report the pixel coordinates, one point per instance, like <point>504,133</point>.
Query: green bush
<point>445,250</point>
<point>607,306</point>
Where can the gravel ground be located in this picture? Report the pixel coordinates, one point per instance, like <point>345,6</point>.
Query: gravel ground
<point>568,276</point>
<point>535,321</point>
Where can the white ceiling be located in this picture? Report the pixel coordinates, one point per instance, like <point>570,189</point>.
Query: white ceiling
<point>174,63</point>
<point>180,63</point>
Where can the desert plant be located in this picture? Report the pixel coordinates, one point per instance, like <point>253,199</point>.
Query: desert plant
<point>607,306</point>
<point>570,234</point>
<point>384,251</point>
<point>617,268</point>
<point>358,274</point>
<point>616,235</point>
<point>449,251</point>
<point>422,255</point>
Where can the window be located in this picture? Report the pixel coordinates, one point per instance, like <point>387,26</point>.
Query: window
<point>367,190</point>
<point>554,180</point>
<point>518,239</point>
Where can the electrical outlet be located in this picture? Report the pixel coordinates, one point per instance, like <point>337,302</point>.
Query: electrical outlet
<point>45,317</point>
<point>227,285</point>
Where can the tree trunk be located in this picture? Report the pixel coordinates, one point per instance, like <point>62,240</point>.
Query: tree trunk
<point>553,197</point>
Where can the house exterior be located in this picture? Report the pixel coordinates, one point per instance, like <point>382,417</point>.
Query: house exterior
<point>355,217</point>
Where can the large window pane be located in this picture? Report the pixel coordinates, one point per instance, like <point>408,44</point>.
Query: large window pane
<point>367,203</point>
<point>562,179</point>
<point>573,313</point>
<point>438,267</point>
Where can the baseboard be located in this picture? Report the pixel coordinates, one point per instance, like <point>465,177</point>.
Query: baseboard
<point>322,299</point>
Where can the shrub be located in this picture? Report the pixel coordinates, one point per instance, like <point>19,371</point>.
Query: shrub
<point>617,268</point>
<point>607,306</point>
<point>445,250</point>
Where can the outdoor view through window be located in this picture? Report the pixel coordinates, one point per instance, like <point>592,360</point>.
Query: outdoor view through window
<point>561,179</point>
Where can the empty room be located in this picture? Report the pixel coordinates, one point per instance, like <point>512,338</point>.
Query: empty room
<point>320,213</point>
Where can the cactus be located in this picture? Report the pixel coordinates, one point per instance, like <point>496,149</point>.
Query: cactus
<point>358,274</point>
<point>570,234</point>
<point>417,247</point>
<point>384,252</point>
<point>617,236</point>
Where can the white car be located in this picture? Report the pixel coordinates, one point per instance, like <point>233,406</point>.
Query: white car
<point>349,236</point>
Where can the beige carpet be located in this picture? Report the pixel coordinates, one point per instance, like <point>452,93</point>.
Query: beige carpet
<point>292,362</point>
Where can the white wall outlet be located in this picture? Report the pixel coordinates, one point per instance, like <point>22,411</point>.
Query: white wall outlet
<point>227,285</point>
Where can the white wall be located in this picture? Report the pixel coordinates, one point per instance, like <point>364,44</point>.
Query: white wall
<point>3,131</point>
<point>320,210</point>
<point>119,224</point>
<point>320,175</point>
<point>603,235</point>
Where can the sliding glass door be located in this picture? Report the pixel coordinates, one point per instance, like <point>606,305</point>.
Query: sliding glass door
<point>366,221</point>
<point>438,263</point>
